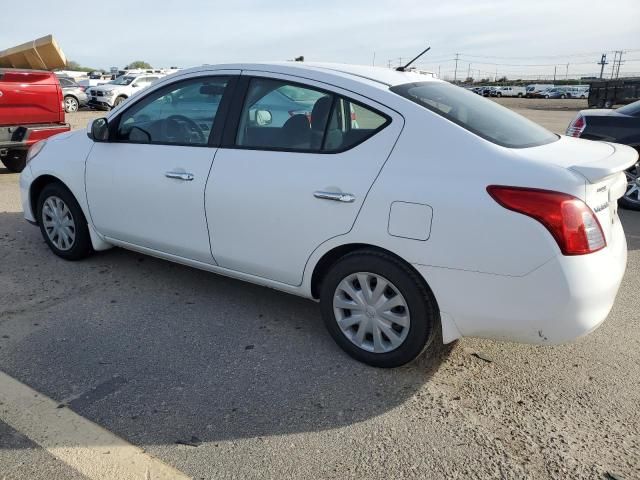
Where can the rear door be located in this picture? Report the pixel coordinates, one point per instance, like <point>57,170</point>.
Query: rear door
<point>29,98</point>
<point>292,175</point>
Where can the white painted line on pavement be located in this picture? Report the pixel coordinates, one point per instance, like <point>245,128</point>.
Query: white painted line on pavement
<point>74,440</point>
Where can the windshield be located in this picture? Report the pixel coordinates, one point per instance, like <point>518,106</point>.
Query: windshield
<point>483,117</point>
<point>633,109</point>
<point>123,80</point>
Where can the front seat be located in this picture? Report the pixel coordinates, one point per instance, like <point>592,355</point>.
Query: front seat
<point>296,132</point>
<point>319,117</point>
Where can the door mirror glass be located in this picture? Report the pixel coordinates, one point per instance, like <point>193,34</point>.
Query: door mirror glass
<point>263,117</point>
<point>100,130</point>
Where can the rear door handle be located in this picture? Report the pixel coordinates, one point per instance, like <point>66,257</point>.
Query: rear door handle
<point>187,177</point>
<point>335,196</point>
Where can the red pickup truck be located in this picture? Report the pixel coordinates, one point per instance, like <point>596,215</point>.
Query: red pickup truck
<point>31,109</point>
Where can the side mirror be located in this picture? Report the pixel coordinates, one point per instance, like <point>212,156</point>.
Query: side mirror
<point>98,130</point>
<point>263,117</point>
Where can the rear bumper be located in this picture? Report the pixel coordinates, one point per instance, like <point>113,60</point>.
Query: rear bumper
<point>22,137</point>
<point>565,298</point>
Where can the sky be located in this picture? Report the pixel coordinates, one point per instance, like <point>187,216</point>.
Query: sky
<point>512,37</point>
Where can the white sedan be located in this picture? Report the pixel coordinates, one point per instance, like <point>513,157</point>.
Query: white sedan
<point>412,209</point>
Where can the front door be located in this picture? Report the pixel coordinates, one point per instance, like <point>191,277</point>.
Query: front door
<point>293,174</point>
<point>145,186</point>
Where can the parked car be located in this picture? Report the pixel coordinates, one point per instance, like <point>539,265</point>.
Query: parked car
<point>577,91</point>
<point>117,91</point>
<point>509,91</point>
<point>556,92</point>
<point>488,91</point>
<point>74,95</point>
<point>370,219</point>
<point>620,126</point>
<point>30,110</point>
<point>534,89</point>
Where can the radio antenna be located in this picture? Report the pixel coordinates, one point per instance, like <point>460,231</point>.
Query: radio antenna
<point>404,68</point>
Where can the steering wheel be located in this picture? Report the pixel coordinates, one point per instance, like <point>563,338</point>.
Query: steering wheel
<point>189,130</point>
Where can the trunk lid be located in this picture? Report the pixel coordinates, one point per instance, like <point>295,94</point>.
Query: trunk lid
<point>600,164</point>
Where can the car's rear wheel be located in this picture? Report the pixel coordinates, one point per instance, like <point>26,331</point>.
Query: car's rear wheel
<point>631,198</point>
<point>563,96</point>
<point>378,309</point>
<point>70,104</point>
<point>62,223</point>
<point>15,160</point>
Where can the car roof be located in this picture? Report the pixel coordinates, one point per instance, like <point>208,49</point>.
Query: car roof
<point>383,77</point>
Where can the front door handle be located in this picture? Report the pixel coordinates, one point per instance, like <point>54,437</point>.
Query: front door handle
<point>187,177</point>
<point>336,196</point>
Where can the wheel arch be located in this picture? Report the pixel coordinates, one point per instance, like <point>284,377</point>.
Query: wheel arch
<point>37,186</point>
<point>330,257</point>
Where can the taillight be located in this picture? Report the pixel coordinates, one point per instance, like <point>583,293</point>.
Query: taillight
<point>576,127</point>
<point>570,221</point>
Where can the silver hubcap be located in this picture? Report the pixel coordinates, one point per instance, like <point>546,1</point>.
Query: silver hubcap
<point>633,185</point>
<point>58,223</point>
<point>71,105</point>
<point>371,312</point>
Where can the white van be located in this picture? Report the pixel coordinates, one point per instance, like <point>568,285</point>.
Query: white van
<point>537,87</point>
<point>510,91</point>
<point>577,91</point>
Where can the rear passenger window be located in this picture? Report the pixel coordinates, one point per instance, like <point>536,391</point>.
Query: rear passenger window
<point>351,124</point>
<point>277,115</point>
<point>283,116</point>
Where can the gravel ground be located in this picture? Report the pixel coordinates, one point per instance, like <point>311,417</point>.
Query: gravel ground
<point>252,374</point>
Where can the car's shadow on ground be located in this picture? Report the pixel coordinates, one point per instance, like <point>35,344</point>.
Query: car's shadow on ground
<point>158,352</point>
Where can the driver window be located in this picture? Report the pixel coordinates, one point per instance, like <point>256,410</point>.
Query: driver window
<point>180,114</point>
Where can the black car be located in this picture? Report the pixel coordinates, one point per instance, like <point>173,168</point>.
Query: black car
<point>619,126</point>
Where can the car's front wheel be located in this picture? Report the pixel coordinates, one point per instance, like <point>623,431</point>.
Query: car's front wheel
<point>631,198</point>
<point>378,309</point>
<point>62,223</point>
<point>71,104</point>
<point>119,100</point>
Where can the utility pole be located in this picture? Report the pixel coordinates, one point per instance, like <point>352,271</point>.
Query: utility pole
<point>389,63</point>
<point>619,63</point>
<point>555,67</point>
<point>455,72</point>
<point>615,60</point>
<point>602,63</point>
<point>439,71</point>
<point>469,71</point>
<point>566,73</point>
<point>373,63</point>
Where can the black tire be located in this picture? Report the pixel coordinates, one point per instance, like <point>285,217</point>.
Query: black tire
<point>608,104</point>
<point>422,306</point>
<point>119,100</point>
<point>563,96</point>
<point>81,245</point>
<point>498,94</point>
<point>631,203</point>
<point>15,160</point>
<point>520,95</point>
<point>71,104</point>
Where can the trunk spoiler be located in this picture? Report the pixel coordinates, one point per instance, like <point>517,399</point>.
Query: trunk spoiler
<point>622,158</point>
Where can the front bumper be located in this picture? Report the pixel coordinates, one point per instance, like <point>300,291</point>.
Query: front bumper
<point>26,178</point>
<point>100,102</point>
<point>567,297</point>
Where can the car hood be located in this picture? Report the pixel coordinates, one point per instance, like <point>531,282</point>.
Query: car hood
<point>106,88</point>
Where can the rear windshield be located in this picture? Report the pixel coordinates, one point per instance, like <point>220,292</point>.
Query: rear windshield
<point>483,117</point>
<point>633,109</point>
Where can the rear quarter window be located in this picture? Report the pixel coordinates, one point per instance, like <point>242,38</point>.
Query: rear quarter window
<point>481,116</point>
